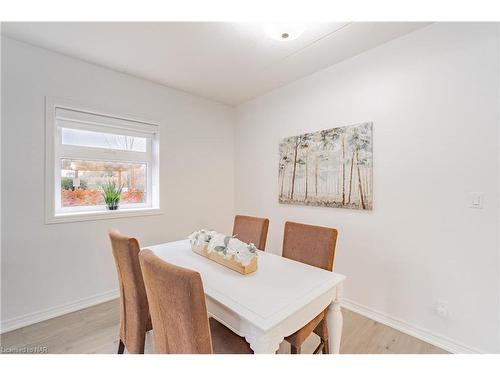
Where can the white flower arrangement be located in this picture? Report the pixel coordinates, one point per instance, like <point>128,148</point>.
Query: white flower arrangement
<point>224,245</point>
<point>201,237</point>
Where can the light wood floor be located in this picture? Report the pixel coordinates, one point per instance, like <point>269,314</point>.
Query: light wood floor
<point>95,330</point>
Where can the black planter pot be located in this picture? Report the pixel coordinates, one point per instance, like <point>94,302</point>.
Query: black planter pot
<point>112,208</point>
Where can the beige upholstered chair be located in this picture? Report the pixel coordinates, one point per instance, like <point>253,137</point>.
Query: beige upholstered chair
<point>179,314</point>
<point>134,311</point>
<point>315,246</point>
<point>251,229</point>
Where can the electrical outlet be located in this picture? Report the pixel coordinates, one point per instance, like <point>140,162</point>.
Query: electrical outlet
<point>441,309</point>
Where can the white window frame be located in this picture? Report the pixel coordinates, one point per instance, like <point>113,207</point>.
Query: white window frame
<point>75,116</point>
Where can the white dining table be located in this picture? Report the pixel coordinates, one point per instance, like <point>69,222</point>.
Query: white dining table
<point>269,304</point>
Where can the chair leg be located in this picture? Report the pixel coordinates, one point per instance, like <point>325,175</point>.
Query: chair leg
<point>324,336</point>
<point>319,348</point>
<point>295,350</point>
<point>121,347</point>
<point>326,346</point>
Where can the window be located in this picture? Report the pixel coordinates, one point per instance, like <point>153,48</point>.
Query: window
<point>86,151</point>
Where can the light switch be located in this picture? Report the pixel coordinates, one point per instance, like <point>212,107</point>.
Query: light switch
<point>476,200</point>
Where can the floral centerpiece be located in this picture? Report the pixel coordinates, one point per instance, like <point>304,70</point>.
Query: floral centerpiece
<point>201,237</point>
<point>217,246</point>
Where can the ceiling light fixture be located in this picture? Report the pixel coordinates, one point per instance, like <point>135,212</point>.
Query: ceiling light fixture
<point>284,32</point>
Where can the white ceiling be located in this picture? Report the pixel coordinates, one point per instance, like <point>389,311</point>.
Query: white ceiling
<point>226,62</point>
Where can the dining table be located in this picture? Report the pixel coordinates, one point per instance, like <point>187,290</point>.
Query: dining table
<point>265,306</point>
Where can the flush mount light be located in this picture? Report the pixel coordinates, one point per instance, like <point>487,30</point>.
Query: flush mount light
<point>284,31</point>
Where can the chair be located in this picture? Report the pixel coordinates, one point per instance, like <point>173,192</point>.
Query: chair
<point>134,312</point>
<point>315,246</point>
<point>251,229</point>
<point>179,313</point>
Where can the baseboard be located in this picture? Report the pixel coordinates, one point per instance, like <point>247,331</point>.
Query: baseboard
<point>423,334</point>
<point>39,316</point>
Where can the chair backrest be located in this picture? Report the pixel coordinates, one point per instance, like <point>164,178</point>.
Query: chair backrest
<point>177,305</point>
<point>251,229</point>
<point>310,244</point>
<point>134,308</point>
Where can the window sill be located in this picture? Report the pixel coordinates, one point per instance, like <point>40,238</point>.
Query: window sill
<point>101,215</point>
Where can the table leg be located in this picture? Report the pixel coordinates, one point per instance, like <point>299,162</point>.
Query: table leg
<point>334,322</point>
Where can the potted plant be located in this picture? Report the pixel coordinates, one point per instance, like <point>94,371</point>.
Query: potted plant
<point>111,193</point>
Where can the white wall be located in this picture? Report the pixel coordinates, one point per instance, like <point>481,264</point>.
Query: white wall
<point>47,267</point>
<point>433,98</point>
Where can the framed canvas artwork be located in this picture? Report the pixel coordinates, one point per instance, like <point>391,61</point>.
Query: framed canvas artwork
<point>330,168</point>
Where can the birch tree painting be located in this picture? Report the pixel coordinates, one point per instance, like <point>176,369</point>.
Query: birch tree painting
<point>331,168</point>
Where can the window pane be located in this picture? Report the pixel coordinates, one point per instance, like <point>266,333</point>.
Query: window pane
<point>81,181</point>
<point>75,137</point>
